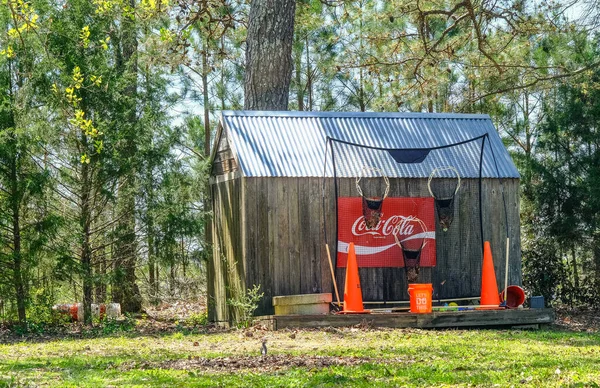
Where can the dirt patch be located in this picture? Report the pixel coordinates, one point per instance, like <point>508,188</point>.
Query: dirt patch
<point>582,320</point>
<point>255,363</point>
<point>175,311</point>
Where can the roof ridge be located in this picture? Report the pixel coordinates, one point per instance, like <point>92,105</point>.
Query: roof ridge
<point>328,114</point>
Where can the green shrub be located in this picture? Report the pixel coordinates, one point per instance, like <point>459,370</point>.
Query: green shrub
<point>40,316</point>
<point>245,305</point>
<point>197,319</point>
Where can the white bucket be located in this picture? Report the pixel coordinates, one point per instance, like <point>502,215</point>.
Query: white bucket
<point>79,312</point>
<point>113,310</point>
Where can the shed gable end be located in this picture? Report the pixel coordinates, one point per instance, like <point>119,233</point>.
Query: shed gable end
<point>224,161</point>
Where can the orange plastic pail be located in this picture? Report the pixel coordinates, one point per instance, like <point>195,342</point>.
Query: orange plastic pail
<point>420,298</point>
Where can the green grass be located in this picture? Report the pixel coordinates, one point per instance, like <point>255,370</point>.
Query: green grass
<point>484,358</point>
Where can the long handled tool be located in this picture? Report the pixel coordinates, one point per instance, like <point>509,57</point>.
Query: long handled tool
<point>506,270</point>
<point>337,295</point>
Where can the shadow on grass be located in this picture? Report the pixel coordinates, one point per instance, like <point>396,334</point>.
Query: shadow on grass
<point>100,331</point>
<point>453,367</point>
<point>157,329</point>
<point>365,375</point>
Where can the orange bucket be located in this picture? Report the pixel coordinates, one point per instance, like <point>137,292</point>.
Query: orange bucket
<point>420,298</point>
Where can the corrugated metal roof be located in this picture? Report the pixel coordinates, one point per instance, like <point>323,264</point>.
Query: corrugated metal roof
<point>292,144</point>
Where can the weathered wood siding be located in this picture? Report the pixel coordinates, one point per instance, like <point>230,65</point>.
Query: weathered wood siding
<point>285,252</point>
<point>224,161</point>
<point>226,271</point>
<point>269,231</point>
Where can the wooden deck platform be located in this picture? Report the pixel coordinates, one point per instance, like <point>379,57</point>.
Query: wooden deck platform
<point>530,318</point>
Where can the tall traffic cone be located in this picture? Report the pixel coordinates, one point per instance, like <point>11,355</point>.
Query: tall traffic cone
<point>353,302</point>
<point>489,288</point>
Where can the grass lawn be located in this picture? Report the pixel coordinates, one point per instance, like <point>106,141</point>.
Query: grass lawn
<point>331,357</point>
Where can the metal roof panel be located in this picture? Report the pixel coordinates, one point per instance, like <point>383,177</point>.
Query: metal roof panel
<point>292,144</point>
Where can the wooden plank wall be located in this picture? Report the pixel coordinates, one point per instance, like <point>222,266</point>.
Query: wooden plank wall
<point>227,271</point>
<point>285,251</point>
<point>282,242</point>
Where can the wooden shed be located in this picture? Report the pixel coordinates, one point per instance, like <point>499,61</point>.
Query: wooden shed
<point>272,198</point>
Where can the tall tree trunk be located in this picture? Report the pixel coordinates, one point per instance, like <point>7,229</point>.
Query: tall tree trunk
<point>309,76</point>
<point>575,270</point>
<point>15,199</point>
<point>99,271</point>
<point>207,135</point>
<point>223,89</point>
<point>86,251</point>
<point>128,293</point>
<point>151,265</point>
<point>99,264</point>
<point>205,99</point>
<point>298,76</point>
<point>172,276</point>
<point>126,290</point>
<point>361,91</point>
<point>183,258</point>
<point>596,256</point>
<point>269,54</point>
<point>157,278</point>
<point>150,240</point>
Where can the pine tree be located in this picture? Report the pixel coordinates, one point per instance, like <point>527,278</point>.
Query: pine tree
<point>269,54</point>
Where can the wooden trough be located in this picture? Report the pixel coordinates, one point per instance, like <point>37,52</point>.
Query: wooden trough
<point>517,318</point>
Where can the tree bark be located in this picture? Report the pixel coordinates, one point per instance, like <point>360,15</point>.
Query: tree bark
<point>99,271</point>
<point>15,199</point>
<point>269,54</point>
<point>575,269</point>
<point>86,250</point>
<point>207,135</point>
<point>127,292</point>
<point>298,76</point>
<point>596,256</point>
<point>157,279</point>
<point>153,297</point>
<point>309,76</point>
<point>205,99</point>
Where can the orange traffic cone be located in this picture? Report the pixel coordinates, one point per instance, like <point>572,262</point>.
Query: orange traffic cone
<point>490,298</point>
<point>353,302</point>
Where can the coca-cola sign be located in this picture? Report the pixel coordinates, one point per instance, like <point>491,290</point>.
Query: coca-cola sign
<point>377,247</point>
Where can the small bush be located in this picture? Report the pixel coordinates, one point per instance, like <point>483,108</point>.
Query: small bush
<point>40,315</point>
<point>197,319</point>
<point>110,326</point>
<point>178,336</point>
<point>245,305</point>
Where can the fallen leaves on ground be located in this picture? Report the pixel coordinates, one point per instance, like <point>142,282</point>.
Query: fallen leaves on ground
<point>255,363</point>
<point>578,319</point>
<point>178,310</point>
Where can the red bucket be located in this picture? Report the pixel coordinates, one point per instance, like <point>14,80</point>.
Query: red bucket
<point>515,296</point>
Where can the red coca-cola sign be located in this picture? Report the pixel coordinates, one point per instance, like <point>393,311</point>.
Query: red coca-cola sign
<point>377,247</point>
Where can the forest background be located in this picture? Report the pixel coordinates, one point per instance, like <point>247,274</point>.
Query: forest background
<point>108,110</point>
